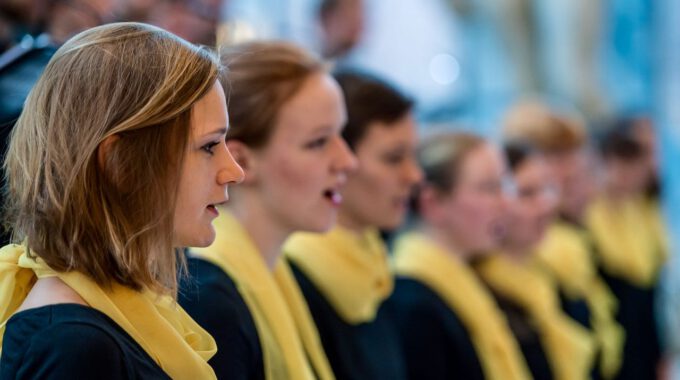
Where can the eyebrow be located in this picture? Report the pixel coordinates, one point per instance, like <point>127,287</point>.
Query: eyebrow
<point>323,128</point>
<point>219,131</point>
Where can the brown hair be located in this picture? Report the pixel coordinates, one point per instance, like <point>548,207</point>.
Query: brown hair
<point>263,76</point>
<point>369,99</point>
<point>547,131</point>
<point>441,155</point>
<point>112,220</point>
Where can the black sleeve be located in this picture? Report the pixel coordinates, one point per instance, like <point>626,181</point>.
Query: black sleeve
<point>217,306</point>
<point>73,351</point>
<point>426,351</point>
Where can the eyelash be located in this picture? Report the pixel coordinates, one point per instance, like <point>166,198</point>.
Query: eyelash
<point>208,148</point>
<point>318,143</point>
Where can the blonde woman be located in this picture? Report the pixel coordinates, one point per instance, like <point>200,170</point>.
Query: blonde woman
<point>287,114</point>
<point>117,160</point>
<point>449,322</point>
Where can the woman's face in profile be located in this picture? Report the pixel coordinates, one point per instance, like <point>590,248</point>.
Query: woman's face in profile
<point>475,207</point>
<point>377,194</point>
<point>300,172</point>
<point>207,171</point>
<point>531,210</point>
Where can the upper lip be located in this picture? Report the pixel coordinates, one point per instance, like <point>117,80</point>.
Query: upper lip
<point>220,203</point>
<point>338,184</point>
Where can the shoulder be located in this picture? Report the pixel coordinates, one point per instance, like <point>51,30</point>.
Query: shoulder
<point>208,290</point>
<point>79,346</point>
<point>213,300</point>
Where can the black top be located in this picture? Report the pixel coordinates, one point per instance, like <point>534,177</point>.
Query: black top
<point>71,341</point>
<point>641,352</point>
<point>365,351</point>
<point>527,336</point>
<point>436,344</point>
<point>210,296</point>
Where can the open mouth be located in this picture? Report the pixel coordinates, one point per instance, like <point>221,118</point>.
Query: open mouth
<point>213,209</point>
<point>333,196</point>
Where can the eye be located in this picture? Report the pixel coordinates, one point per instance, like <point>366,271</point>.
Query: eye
<point>317,143</point>
<point>394,158</point>
<point>208,148</point>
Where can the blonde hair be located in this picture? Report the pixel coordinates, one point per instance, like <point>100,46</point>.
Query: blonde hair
<point>538,126</point>
<point>263,76</point>
<point>441,155</point>
<point>111,219</point>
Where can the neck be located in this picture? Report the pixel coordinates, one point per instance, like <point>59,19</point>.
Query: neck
<point>265,231</point>
<point>447,241</point>
<point>614,193</point>
<point>347,221</point>
<point>517,252</point>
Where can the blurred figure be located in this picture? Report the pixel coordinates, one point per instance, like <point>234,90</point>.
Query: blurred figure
<point>194,20</point>
<point>344,273</point>
<point>554,345</point>
<point>626,232</point>
<point>450,324</point>
<point>566,250</point>
<point>286,115</point>
<point>342,24</point>
<point>22,65</point>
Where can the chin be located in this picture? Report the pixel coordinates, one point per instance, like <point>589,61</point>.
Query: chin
<point>198,240</point>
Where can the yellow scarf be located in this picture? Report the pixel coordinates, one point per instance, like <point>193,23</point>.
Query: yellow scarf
<point>160,326</point>
<point>350,270</point>
<point>286,330</point>
<point>569,346</point>
<point>627,239</point>
<point>565,251</point>
<point>420,258</point>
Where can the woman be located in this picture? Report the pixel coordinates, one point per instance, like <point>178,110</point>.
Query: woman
<point>344,273</point>
<point>554,345</point>
<point>627,234</point>
<point>89,292</point>
<point>566,251</point>
<point>450,325</point>
<point>287,114</point>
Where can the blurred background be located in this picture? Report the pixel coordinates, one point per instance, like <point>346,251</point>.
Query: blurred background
<point>464,61</point>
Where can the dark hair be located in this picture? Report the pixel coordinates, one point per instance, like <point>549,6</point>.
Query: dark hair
<point>618,141</point>
<point>369,99</point>
<point>518,153</point>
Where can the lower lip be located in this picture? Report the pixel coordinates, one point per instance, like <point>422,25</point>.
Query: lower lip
<point>213,210</point>
<point>335,200</point>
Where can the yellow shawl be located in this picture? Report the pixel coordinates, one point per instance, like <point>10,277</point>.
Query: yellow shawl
<point>286,330</point>
<point>569,346</point>
<point>565,251</point>
<point>160,326</point>
<point>420,258</point>
<point>627,237</point>
<point>351,270</point>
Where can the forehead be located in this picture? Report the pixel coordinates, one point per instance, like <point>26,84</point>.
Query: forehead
<point>401,131</point>
<point>318,103</point>
<point>482,162</point>
<point>210,111</point>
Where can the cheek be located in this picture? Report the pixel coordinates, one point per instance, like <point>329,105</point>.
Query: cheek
<point>295,176</point>
<point>475,215</point>
<point>368,186</point>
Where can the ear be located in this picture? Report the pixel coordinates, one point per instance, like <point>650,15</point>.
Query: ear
<point>103,151</point>
<point>430,201</point>
<point>246,158</point>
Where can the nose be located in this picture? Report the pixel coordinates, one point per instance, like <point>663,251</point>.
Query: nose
<point>345,160</point>
<point>412,172</point>
<point>230,172</point>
